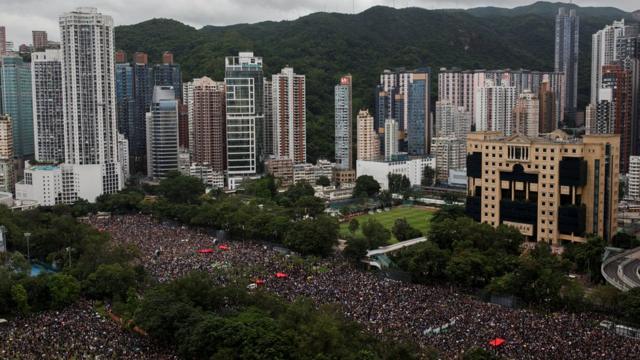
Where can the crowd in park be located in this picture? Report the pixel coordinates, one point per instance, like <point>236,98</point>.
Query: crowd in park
<point>396,309</point>
<point>74,332</point>
<point>142,260</point>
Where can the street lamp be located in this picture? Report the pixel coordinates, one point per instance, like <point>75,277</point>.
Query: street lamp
<point>27,236</point>
<point>69,252</point>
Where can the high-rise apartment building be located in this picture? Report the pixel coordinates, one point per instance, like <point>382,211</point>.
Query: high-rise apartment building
<point>48,118</point>
<point>168,73</point>
<point>526,114</point>
<point>633,178</point>
<point>143,88</point>
<point>547,110</point>
<point>245,115</point>
<point>207,111</point>
<point>289,115</point>
<point>566,58</point>
<point>183,126</point>
<point>16,101</point>
<point>493,107</point>
<point>615,108</point>
<point>3,40</point>
<point>450,153</point>
<point>604,51</point>
<point>40,40</point>
<point>553,189</point>
<point>391,129</point>
<point>125,99</point>
<point>343,116</point>
<point>7,172</point>
<point>452,120</point>
<point>162,133</point>
<point>460,86</point>
<point>404,95</point>
<point>367,137</point>
<point>269,125</point>
<point>87,48</point>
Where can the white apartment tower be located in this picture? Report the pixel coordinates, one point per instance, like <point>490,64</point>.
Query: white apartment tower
<point>391,129</point>
<point>48,119</point>
<point>89,105</point>
<point>245,115</point>
<point>634,178</point>
<point>289,116</point>
<point>493,107</point>
<point>452,120</point>
<point>604,52</point>
<point>343,116</point>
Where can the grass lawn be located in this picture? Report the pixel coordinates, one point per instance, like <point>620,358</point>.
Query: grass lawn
<point>416,217</point>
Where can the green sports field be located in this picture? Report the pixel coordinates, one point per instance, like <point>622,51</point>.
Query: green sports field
<point>417,217</point>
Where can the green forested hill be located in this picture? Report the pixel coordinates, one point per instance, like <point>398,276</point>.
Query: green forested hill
<point>323,46</point>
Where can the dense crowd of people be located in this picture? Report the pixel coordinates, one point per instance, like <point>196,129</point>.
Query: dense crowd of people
<point>77,332</point>
<point>386,307</point>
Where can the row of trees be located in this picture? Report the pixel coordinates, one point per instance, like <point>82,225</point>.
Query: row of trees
<point>293,218</point>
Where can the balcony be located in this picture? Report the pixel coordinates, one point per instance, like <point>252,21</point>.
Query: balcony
<point>572,219</point>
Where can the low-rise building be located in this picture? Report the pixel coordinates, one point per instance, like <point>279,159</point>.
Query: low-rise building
<point>50,185</point>
<point>412,168</point>
<point>553,188</point>
<point>211,178</point>
<point>281,169</point>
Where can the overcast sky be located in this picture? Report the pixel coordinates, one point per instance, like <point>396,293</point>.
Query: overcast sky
<point>22,16</point>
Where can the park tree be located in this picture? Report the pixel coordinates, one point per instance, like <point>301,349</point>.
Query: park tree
<point>353,225</point>
<point>588,257</point>
<point>366,186</point>
<point>402,230</point>
<point>111,281</point>
<point>398,184</point>
<point>428,176</point>
<point>356,248</point>
<point>375,233</point>
<point>630,305</point>
<point>180,189</point>
<point>265,187</point>
<point>313,236</point>
<point>20,298</point>
<point>451,212</point>
<point>425,261</point>
<point>323,181</point>
<point>624,240</point>
<point>308,205</point>
<point>386,199</point>
<point>64,289</point>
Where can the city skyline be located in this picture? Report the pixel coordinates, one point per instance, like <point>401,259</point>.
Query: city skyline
<point>21,18</point>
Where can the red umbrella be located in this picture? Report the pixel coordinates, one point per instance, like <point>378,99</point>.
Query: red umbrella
<point>281,275</point>
<point>205,251</point>
<point>497,342</point>
<point>259,282</point>
<point>223,247</point>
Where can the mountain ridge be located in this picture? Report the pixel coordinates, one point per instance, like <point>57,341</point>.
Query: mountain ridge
<point>323,46</point>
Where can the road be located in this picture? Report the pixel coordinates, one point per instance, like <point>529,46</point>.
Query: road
<point>621,270</point>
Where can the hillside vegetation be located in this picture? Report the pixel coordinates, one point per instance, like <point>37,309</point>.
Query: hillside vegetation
<point>323,46</point>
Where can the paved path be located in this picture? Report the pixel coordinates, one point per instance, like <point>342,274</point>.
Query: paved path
<point>395,247</point>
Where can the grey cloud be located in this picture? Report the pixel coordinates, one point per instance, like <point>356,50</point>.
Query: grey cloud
<point>22,16</point>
